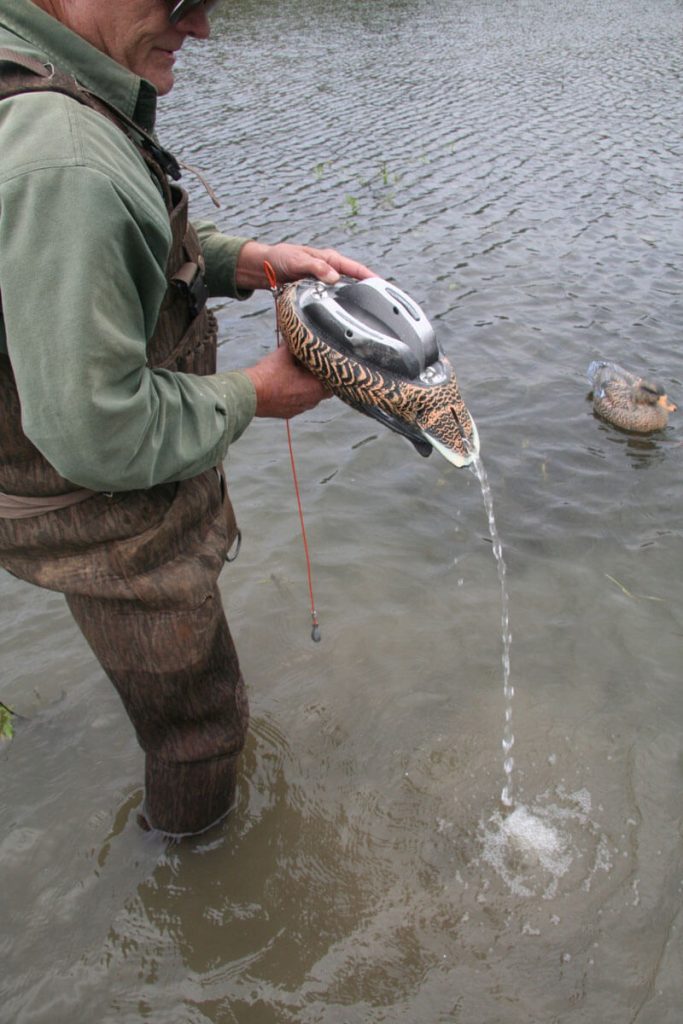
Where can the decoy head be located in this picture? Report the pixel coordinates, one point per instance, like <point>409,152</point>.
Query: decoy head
<point>648,393</point>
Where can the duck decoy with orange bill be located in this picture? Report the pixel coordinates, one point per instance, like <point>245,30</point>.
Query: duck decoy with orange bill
<point>372,346</point>
<point>626,400</point>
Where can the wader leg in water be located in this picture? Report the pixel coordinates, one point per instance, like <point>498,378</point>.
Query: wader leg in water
<point>178,676</point>
<point>139,571</point>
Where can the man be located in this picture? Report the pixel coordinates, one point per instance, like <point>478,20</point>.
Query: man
<point>113,420</point>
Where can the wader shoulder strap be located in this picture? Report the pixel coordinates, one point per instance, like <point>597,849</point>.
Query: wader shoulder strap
<point>48,78</point>
<point>30,63</point>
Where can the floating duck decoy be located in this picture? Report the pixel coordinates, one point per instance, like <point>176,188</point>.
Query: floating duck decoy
<point>627,401</point>
<point>373,347</point>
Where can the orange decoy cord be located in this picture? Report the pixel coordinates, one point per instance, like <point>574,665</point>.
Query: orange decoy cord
<point>315,630</point>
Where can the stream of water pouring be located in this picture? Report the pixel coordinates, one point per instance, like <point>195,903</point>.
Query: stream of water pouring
<point>508,741</point>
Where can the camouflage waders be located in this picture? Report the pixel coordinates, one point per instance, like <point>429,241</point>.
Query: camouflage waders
<point>139,569</point>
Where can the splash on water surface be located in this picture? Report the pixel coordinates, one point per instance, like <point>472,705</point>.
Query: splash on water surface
<point>551,846</point>
<point>530,833</point>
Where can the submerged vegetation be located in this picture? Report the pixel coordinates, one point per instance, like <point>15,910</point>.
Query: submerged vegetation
<point>379,189</point>
<point>6,726</point>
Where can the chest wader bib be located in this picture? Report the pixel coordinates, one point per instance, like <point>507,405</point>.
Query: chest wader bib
<point>139,569</point>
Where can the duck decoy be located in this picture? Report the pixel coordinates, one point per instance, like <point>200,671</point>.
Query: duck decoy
<point>373,347</point>
<point>626,400</point>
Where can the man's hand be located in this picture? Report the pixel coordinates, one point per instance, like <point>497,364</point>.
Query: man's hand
<point>292,262</point>
<point>284,388</point>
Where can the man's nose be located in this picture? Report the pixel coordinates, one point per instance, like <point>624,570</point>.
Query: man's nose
<point>195,23</point>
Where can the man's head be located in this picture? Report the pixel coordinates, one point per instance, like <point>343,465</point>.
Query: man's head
<point>142,35</point>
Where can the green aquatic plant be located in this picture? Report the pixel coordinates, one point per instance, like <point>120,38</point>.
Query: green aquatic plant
<point>388,177</point>
<point>352,206</point>
<point>6,726</point>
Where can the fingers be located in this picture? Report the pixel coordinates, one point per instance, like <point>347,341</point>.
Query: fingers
<point>292,262</point>
<point>330,264</point>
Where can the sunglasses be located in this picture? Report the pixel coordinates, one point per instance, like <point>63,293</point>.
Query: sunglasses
<point>183,7</point>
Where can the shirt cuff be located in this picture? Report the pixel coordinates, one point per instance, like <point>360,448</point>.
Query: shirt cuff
<point>221,253</point>
<point>237,400</point>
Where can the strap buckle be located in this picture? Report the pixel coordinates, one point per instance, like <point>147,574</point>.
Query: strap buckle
<point>189,279</point>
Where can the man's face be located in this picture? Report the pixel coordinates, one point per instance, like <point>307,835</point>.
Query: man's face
<point>136,33</point>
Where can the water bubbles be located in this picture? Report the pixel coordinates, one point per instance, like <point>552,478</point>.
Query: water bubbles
<point>522,847</point>
<point>536,849</point>
<point>531,833</point>
<point>583,798</point>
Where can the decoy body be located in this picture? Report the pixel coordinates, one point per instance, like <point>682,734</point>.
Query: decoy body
<point>627,401</point>
<point>373,347</point>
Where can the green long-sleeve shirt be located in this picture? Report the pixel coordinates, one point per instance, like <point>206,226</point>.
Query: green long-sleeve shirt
<point>84,237</point>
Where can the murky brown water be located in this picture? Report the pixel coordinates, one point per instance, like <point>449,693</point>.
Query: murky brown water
<point>516,167</point>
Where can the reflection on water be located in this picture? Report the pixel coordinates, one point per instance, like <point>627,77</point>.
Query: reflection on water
<point>515,166</point>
